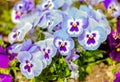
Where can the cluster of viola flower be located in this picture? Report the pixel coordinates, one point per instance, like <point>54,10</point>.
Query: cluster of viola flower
<point>65,24</point>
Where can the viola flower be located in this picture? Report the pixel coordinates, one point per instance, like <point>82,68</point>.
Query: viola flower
<point>70,57</point>
<point>4,58</point>
<point>53,4</point>
<point>29,5</point>
<point>19,34</point>
<point>5,78</point>
<point>118,25</point>
<point>47,50</point>
<point>29,66</point>
<point>21,9</point>
<point>75,22</point>
<point>117,79</point>
<point>49,19</point>
<point>115,54</point>
<point>98,16</point>
<point>113,7</point>
<point>63,42</point>
<point>18,11</point>
<point>102,20</point>
<point>113,45</point>
<point>93,36</point>
<point>28,59</point>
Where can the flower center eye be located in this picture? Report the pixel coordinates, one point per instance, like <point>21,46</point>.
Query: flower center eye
<point>62,44</point>
<point>19,14</point>
<point>46,52</point>
<point>118,49</point>
<point>74,24</point>
<point>112,9</point>
<point>91,36</point>
<point>48,4</point>
<point>29,65</point>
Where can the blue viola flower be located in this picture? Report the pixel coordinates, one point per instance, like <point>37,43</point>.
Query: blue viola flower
<point>47,50</point>
<point>98,16</point>
<point>29,59</point>
<point>102,20</point>
<point>93,36</point>
<point>21,8</point>
<point>28,5</point>
<point>75,22</point>
<point>49,19</point>
<point>33,18</point>
<point>29,66</point>
<point>113,7</point>
<point>70,57</point>
<point>63,42</point>
<point>19,34</point>
<point>54,4</point>
<point>89,11</point>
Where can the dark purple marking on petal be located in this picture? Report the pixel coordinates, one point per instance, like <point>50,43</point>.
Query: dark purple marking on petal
<point>91,41</point>
<point>74,29</point>
<point>59,43</point>
<point>15,35</point>
<point>63,48</point>
<point>28,66</point>
<point>46,56</point>
<point>94,35</point>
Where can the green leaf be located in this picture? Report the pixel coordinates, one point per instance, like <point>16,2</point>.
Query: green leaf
<point>51,69</point>
<point>89,69</point>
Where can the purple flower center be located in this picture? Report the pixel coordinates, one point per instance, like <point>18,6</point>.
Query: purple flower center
<point>16,34</point>
<point>18,14</point>
<point>91,39</point>
<point>28,66</point>
<point>46,53</point>
<point>74,26</point>
<point>63,46</point>
<point>48,5</point>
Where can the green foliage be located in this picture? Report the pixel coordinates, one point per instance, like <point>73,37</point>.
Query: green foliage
<point>56,71</point>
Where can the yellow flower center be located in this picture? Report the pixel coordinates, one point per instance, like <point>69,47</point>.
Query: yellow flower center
<point>118,49</point>
<point>46,52</point>
<point>19,14</point>
<point>74,24</point>
<point>29,64</point>
<point>62,44</point>
<point>91,36</point>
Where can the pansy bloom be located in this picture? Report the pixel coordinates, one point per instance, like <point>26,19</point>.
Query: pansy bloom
<point>5,78</point>
<point>28,59</point>
<point>47,50</point>
<point>113,7</point>
<point>117,79</point>
<point>98,16</point>
<point>54,4</point>
<point>20,9</point>
<point>50,19</point>
<point>92,36</point>
<point>75,22</point>
<point>63,42</point>
<point>19,34</point>
<point>29,66</point>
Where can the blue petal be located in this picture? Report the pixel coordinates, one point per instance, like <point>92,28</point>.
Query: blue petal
<point>26,73</point>
<point>58,3</point>
<point>26,45</point>
<point>23,56</point>
<point>61,33</point>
